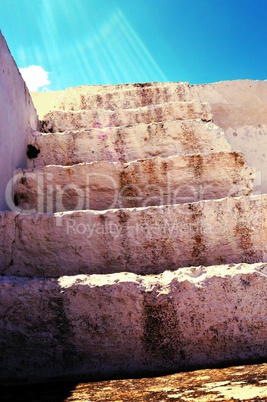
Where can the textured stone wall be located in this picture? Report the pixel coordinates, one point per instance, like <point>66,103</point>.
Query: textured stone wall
<point>17,118</point>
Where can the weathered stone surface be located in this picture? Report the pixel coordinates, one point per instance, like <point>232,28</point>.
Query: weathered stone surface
<point>240,108</point>
<point>141,240</point>
<point>252,141</point>
<point>155,181</point>
<point>236,103</point>
<point>59,121</point>
<point>113,97</point>
<point>123,323</point>
<point>8,234</point>
<point>128,143</point>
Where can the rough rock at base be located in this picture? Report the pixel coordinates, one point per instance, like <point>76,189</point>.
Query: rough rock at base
<point>124,323</point>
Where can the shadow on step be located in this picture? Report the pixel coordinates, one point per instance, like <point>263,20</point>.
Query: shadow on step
<point>142,386</point>
<point>44,392</point>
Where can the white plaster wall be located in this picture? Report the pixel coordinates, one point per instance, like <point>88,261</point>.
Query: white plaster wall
<point>17,118</point>
<point>240,109</point>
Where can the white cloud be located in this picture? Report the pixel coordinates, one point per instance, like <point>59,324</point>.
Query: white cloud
<point>35,77</point>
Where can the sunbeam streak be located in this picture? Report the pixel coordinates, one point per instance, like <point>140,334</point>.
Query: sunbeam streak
<point>115,54</point>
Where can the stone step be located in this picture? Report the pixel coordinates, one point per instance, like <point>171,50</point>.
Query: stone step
<point>127,143</point>
<point>113,97</point>
<point>60,121</point>
<point>109,325</point>
<point>141,240</point>
<point>124,96</point>
<point>155,181</point>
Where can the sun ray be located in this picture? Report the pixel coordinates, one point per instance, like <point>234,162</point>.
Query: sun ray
<point>116,54</point>
<point>109,52</point>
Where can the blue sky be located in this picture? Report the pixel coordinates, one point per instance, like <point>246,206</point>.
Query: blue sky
<point>76,42</point>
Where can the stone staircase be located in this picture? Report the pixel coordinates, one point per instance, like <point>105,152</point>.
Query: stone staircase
<point>135,243</point>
